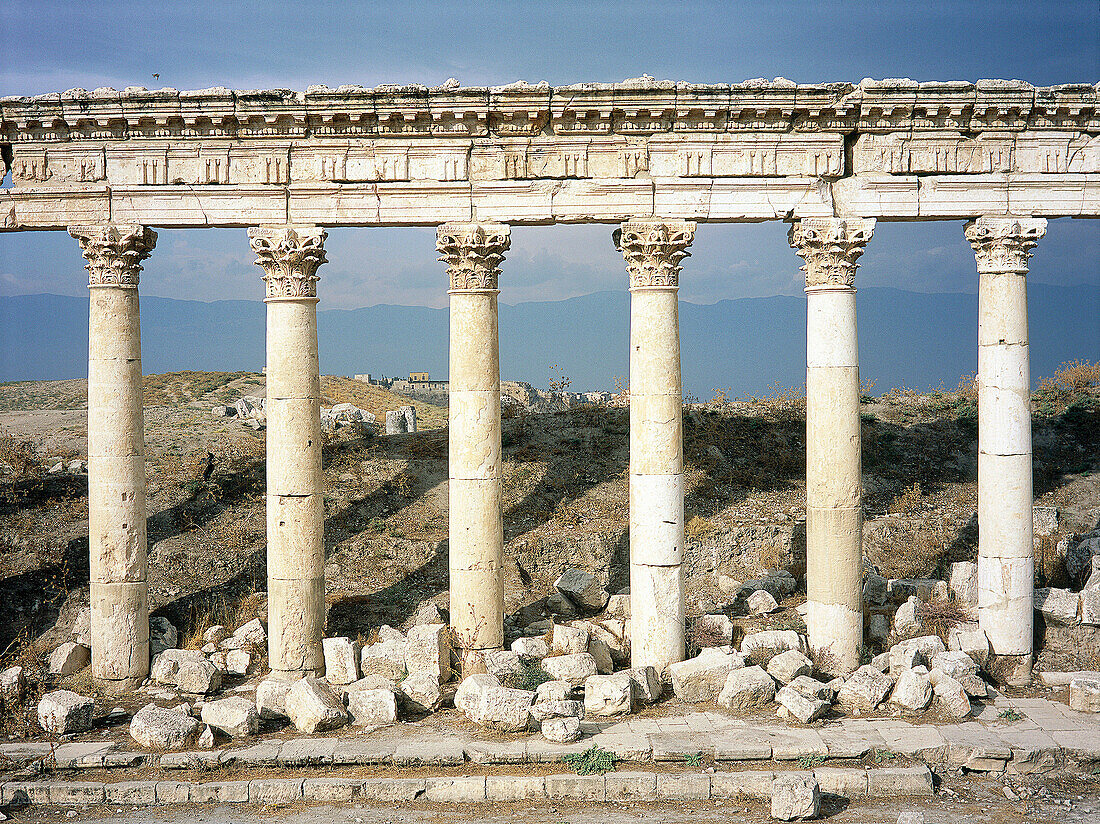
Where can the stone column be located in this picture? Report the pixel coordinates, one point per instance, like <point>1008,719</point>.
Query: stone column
<point>473,253</point>
<point>653,251</point>
<point>834,515</point>
<point>290,257</point>
<point>116,455</point>
<point>1006,560</point>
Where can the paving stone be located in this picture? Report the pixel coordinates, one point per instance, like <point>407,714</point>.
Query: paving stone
<point>443,752</point>
<point>789,744</point>
<point>973,746</point>
<point>545,752</point>
<point>750,784</point>
<point>496,752</point>
<point>577,787</point>
<point>330,789</point>
<point>514,787</point>
<point>392,789</point>
<point>683,786</point>
<point>220,792</point>
<point>364,752</point>
<point>78,754</point>
<point>1033,750</point>
<point>120,759</point>
<point>19,794</point>
<point>274,790</point>
<point>1081,744</point>
<point>628,747</point>
<point>742,745</point>
<point>173,792</point>
<point>849,782</point>
<point>677,746</point>
<point>845,741</point>
<point>464,789</point>
<point>890,782</point>
<point>306,752</point>
<point>923,742</point>
<point>24,752</point>
<point>263,754</point>
<point>193,760</point>
<point>631,786</point>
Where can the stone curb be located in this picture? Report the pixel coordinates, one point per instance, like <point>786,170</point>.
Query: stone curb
<point>853,783</point>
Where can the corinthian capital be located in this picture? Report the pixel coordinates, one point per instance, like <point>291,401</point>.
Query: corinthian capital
<point>1004,244</point>
<point>473,253</point>
<point>653,250</point>
<point>830,246</point>
<point>114,253</point>
<point>290,257</point>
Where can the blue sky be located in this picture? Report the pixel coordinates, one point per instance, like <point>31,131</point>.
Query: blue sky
<point>53,46</point>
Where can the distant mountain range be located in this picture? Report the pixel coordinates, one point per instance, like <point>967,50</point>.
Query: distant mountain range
<point>909,339</point>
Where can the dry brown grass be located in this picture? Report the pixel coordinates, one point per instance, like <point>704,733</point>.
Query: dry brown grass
<point>1067,385</point>
<point>375,399</point>
<point>940,617</point>
<point>700,528</point>
<point>226,612</point>
<point>20,454</point>
<point>909,501</point>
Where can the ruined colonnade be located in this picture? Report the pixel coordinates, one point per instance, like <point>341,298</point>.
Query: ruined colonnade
<point>654,158</point>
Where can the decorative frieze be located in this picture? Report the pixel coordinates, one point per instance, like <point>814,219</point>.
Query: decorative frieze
<point>114,253</point>
<point>653,251</point>
<point>290,257</point>
<point>473,253</point>
<point>830,247</point>
<point>1004,244</point>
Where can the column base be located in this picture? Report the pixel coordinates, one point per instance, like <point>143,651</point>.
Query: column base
<point>472,661</point>
<point>294,675</point>
<point>1011,670</point>
<point>110,686</point>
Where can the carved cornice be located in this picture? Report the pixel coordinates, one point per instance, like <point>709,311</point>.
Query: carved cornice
<point>830,247</point>
<point>473,253</point>
<point>289,256</point>
<point>114,253</point>
<point>653,251</point>
<point>1004,244</point>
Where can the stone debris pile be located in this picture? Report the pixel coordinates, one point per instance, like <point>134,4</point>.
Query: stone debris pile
<point>252,412</point>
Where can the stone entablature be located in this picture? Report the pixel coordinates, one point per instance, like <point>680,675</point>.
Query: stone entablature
<point>410,155</point>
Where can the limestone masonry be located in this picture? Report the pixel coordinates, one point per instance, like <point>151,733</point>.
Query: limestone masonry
<point>659,158</point>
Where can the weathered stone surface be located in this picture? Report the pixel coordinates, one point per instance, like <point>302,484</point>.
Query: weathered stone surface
<point>864,690</point>
<point>271,697</point>
<point>761,602</point>
<point>907,620</point>
<point>609,694</point>
<point>502,663</point>
<point>12,684</point>
<point>68,658</point>
<point>647,684</point>
<point>601,654</point>
<point>914,652</point>
<point>1079,554</point>
<point>556,708</point>
<point>531,649</point>
<point>163,729</point>
<point>761,647</point>
<point>420,693</point>
<point>716,629</point>
<point>812,688</point>
<point>198,677</point>
<point>341,660</point>
<point>429,651</point>
<point>469,691</point>
<point>950,695</point>
<point>806,710</point>
<point>788,665</point>
<point>238,661</point>
<point>618,606</point>
<point>1084,695</point>
<point>746,688</point>
<point>795,797</point>
<point>313,706</point>
<point>63,711</point>
<point>569,640</point>
<point>252,633</point>
<point>583,589</point>
<point>236,717</point>
<point>874,589</point>
<point>385,658</point>
<point>913,690</point>
<point>561,730</point>
<point>973,642</point>
<point>553,691</point>
<point>964,582</point>
<point>376,707</point>
<point>1090,601</point>
<point>1059,606</point>
<point>572,668</point>
<point>504,709</point>
<point>703,677</point>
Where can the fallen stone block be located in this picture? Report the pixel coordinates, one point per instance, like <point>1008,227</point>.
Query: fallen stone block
<point>13,682</point>
<point>313,706</point>
<point>569,640</point>
<point>531,649</point>
<point>607,695</point>
<point>163,729</point>
<point>583,589</point>
<point>1059,606</point>
<point>795,797</point>
<point>504,709</point>
<point>788,665</point>
<point>761,602</point>
<point>618,606</point>
<point>806,710</point>
<point>252,633</point>
<point>812,688</point>
<point>913,690</point>
<point>950,694</point>
<point>162,635</point>
<point>469,691</point>
<point>746,688</point>
<point>973,642</point>
<point>761,647</point>
<point>63,711</point>
<point>238,661</point>
<point>68,658</point>
<point>429,651</point>
<point>907,620</point>
<point>601,654</point>
<point>420,693</point>
<point>553,691</point>
<point>271,697</point>
<point>964,582</point>
<point>502,663</point>
<point>236,717</point>
<point>874,589</point>
<point>556,708</point>
<point>1084,695</point>
<point>385,658</point>
<point>199,677</point>
<point>571,668</point>
<point>713,630</point>
<point>702,678</point>
<point>864,690</point>
<point>341,660</point>
<point>372,707</point>
<point>647,684</point>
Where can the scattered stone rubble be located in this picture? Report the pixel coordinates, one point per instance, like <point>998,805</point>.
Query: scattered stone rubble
<point>252,412</point>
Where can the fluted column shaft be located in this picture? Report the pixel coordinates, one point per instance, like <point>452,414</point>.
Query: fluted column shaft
<point>653,251</point>
<point>834,514</point>
<point>473,253</point>
<point>290,257</point>
<point>1006,559</point>
<point>116,455</point>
